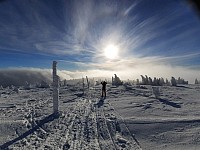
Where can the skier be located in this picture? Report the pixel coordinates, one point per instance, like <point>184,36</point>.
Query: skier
<point>103,89</point>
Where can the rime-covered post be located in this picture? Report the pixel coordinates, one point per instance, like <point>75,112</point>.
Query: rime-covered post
<point>156,92</point>
<point>88,84</point>
<point>83,85</point>
<point>55,88</point>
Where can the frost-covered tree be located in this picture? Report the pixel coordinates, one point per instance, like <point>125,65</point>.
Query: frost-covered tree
<point>150,81</point>
<point>154,81</point>
<point>137,81</point>
<point>173,81</point>
<point>116,80</point>
<point>65,82</point>
<point>146,79</point>
<point>43,84</point>
<point>158,82</point>
<point>167,82</point>
<point>181,81</point>
<point>196,81</point>
<point>162,81</point>
<point>143,79</point>
<point>185,82</point>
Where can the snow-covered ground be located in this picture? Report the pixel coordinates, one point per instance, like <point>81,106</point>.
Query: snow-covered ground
<point>129,118</point>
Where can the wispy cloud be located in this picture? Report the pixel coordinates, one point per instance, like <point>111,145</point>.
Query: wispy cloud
<point>132,68</point>
<point>73,28</point>
<point>79,31</point>
<point>126,12</point>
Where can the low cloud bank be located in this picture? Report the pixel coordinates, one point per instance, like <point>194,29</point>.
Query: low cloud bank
<point>19,77</point>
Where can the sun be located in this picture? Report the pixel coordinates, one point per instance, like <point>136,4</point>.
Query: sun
<point>111,51</point>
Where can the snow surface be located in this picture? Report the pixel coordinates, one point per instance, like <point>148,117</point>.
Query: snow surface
<point>130,118</point>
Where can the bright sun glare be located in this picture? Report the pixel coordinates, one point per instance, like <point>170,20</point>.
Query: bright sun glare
<point>111,51</point>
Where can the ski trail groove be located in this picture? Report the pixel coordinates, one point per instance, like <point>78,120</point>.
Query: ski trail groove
<point>132,137</point>
<point>114,132</point>
<point>105,141</point>
<point>83,134</point>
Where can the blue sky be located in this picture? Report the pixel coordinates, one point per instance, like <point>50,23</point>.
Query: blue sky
<point>154,37</point>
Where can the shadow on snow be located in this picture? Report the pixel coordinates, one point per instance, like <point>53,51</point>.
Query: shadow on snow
<point>33,129</point>
<point>164,101</point>
<point>101,102</point>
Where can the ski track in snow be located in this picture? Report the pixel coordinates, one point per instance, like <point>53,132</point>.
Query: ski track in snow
<point>92,124</point>
<point>113,132</point>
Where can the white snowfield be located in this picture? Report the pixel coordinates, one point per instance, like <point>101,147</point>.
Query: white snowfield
<point>130,118</point>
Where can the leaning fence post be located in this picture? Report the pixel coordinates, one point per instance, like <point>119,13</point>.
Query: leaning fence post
<point>55,88</point>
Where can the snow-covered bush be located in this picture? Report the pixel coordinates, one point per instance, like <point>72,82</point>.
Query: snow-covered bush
<point>98,82</point>
<point>43,84</point>
<point>127,86</point>
<point>16,89</point>
<point>156,91</point>
<point>141,87</point>
<point>27,85</point>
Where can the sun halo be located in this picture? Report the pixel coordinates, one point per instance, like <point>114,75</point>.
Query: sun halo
<point>111,51</point>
